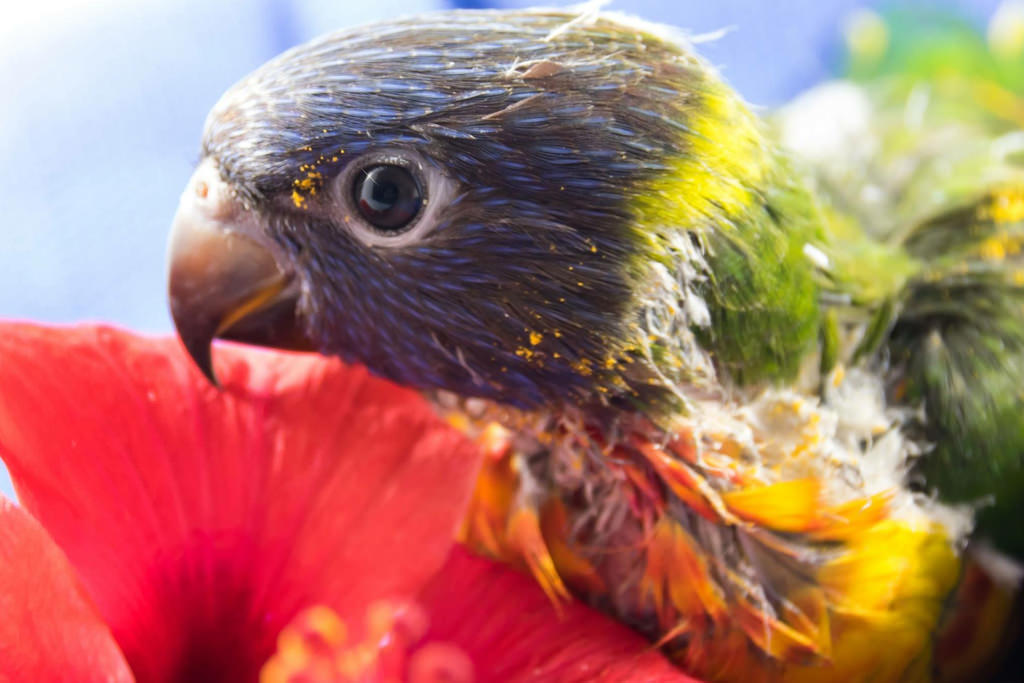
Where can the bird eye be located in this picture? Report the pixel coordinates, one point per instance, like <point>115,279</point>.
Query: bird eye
<point>388,196</point>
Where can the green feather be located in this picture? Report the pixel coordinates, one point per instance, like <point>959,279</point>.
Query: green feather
<point>926,236</point>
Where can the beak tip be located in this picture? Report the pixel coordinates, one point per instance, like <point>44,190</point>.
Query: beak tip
<point>204,363</point>
<point>200,349</point>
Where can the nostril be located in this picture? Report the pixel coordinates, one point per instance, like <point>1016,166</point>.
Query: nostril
<point>202,189</point>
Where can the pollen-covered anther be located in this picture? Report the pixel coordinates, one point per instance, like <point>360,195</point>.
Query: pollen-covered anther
<point>313,648</point>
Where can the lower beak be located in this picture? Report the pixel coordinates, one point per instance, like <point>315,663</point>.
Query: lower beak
<point>224,281</point>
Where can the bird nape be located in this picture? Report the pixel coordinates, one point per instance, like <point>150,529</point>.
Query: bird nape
<point>725,401</point>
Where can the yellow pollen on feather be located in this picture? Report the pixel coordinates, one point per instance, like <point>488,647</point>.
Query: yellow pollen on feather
<point>1007,206</point>
<point>992,249</point>
<point>584,367</point>
<point>535,338</point>
<point>524,352</point>
<point>306,187</point>
<point>311,182</point>
<point>999,247</point>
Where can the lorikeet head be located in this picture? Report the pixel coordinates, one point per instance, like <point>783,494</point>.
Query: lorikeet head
<point>503,205</point>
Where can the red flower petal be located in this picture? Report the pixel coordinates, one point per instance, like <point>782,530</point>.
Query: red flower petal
<point>200,520</point>
<point>511,632</point>
<point>49,630</point>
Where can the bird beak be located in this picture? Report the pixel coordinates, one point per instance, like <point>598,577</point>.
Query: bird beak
<point>223,279</point>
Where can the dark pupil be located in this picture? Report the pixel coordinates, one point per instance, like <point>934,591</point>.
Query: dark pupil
<point>388,196</point>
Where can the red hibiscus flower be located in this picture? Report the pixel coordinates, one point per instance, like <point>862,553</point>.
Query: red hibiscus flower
<point>297,523</point>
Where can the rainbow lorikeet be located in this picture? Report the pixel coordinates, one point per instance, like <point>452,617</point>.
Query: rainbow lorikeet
<point>746,395</point>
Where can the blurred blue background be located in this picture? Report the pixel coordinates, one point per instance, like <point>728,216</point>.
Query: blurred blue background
<point>104,101</point>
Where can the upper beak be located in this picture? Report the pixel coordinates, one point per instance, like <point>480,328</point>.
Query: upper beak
<point>223,279</point>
